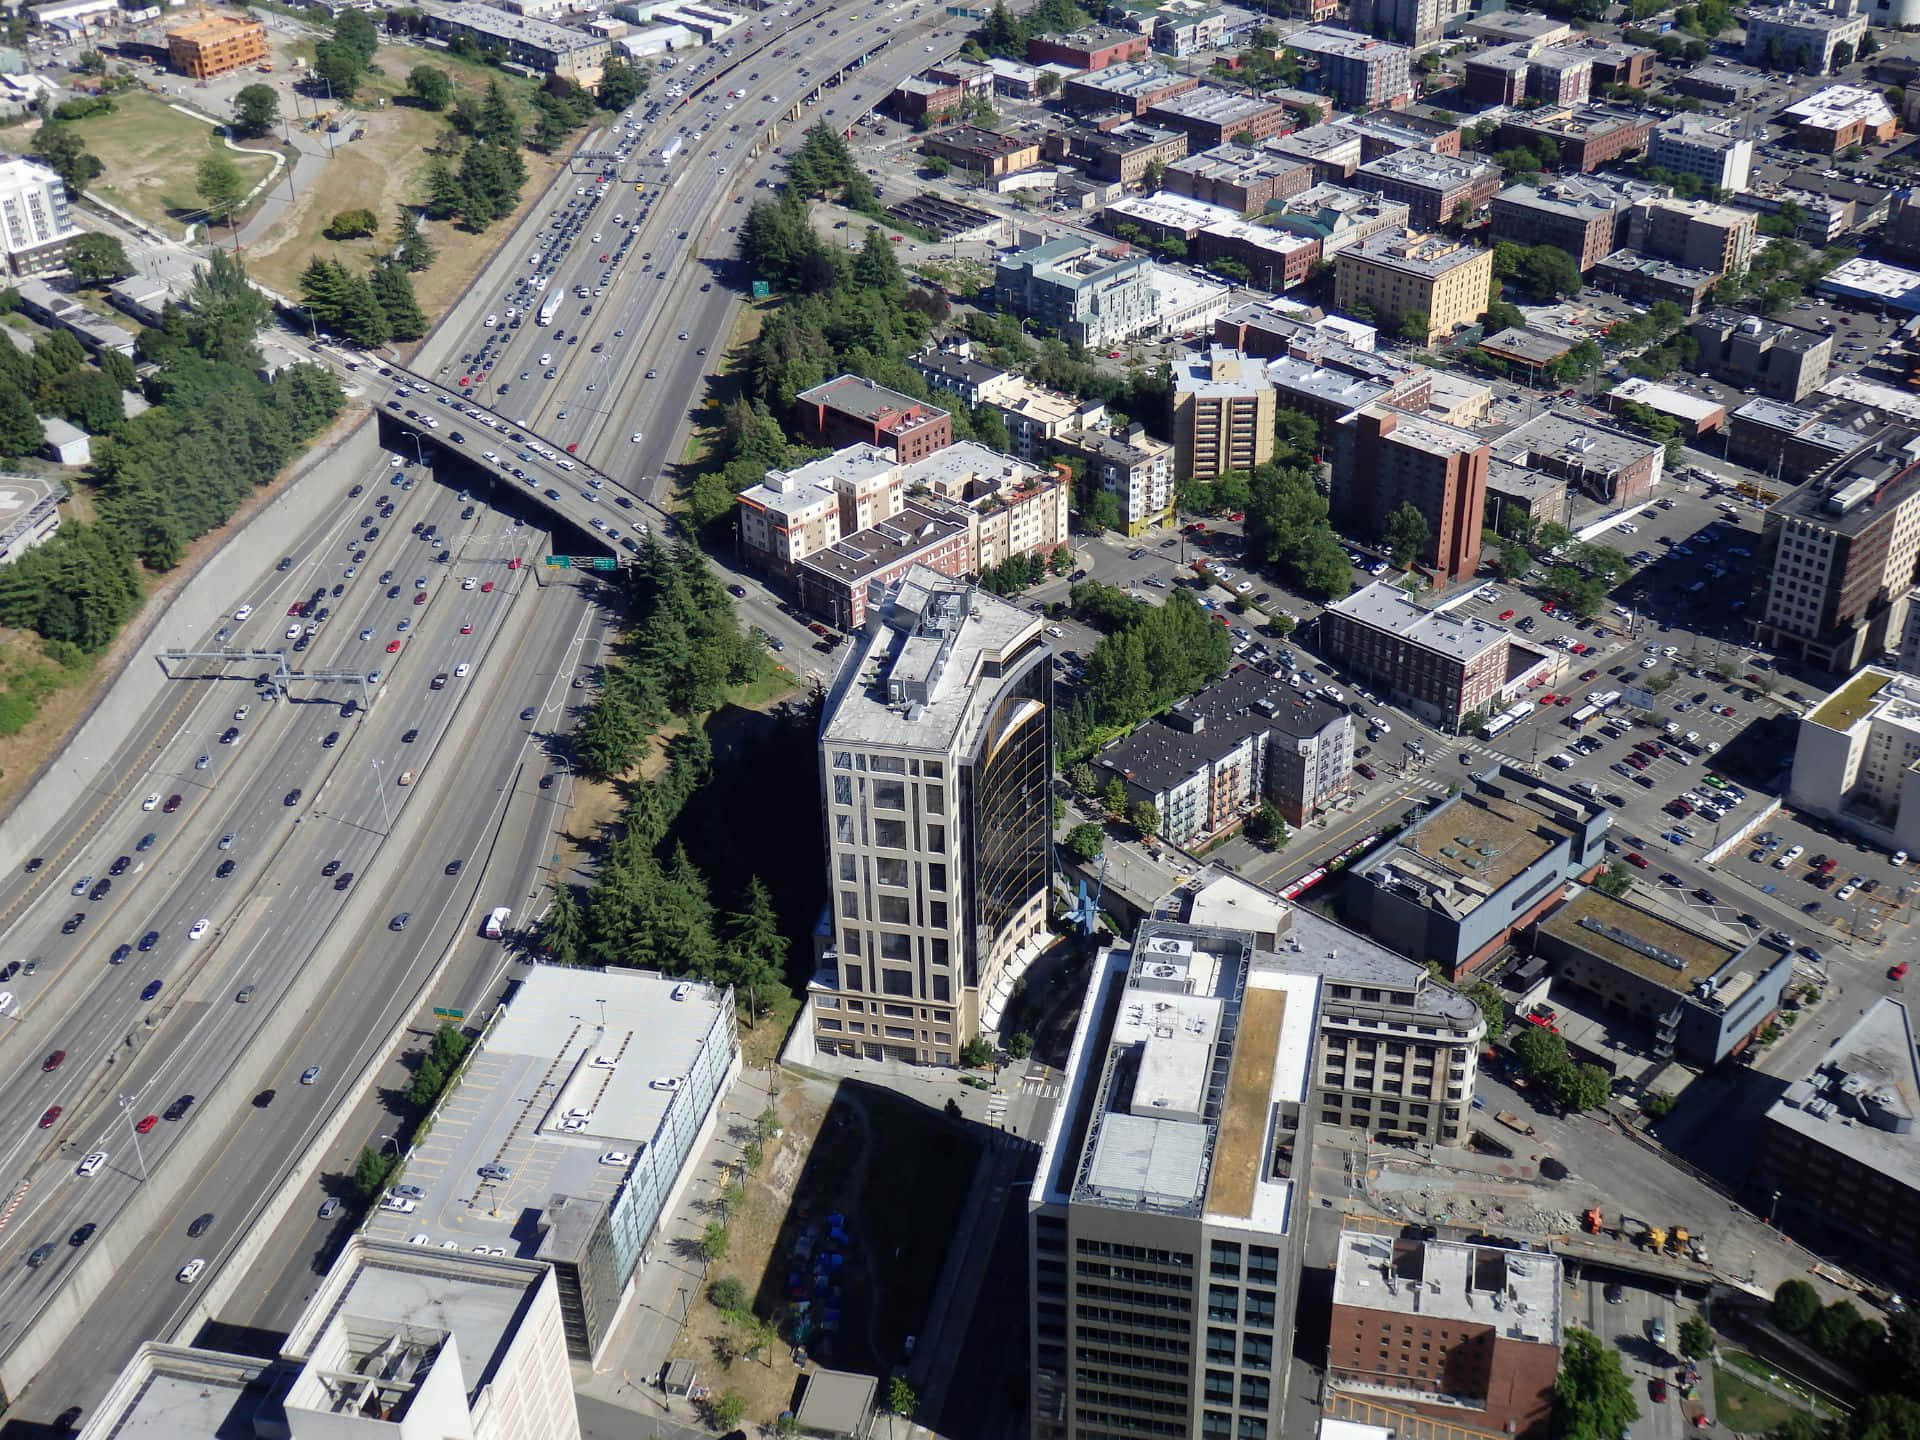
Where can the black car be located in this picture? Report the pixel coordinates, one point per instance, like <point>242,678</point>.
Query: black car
<point>454,866</point>
<point>330,739</point>
<point>200,1225</point>
<point>393,592</point>
<point>527,714</point>
<point>120,953</point>
<point>178,1108</point>
<point>74,922</point>
<point>293,797</point>
<point>356,492</point>
<point>225,869</point>
<point>82,1235</point>
<point>35,864</point>
<point>100,889</point>
<point>9,970</point>
<point>286,564</point>
<point>230,734</point>
<point>149,940</point>
<point>344,881</point>
<point>409,737</point>
<point>332,867</point>
<point>119,866</point>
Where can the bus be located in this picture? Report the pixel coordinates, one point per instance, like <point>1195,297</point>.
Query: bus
<point>1506,720</point>
<point>548,311</point>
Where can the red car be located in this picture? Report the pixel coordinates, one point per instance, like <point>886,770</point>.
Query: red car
<point>1563,701</point>
<point>393,647</point>
<point>1546,607</point>
<point>1588,675</point>
<point>147,1124</point>
<point>486,586</point>
<point>572,448</point>
<point>53,1114</point>
<point>466,379</point>
<point>1898,972</point>
<point>1548,698</point>
<point>466,629</point>
<point>53,1062</point>
<point>297,608</point>
<point>419,597</point>
<point>1365,770</point>
<point>1506,614</point>
<point>1660,1389</point>
<point>1636,859</point>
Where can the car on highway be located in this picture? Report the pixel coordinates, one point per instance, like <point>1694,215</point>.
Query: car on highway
<point>178,1109</point>
<point>152,989</point>
<point>292,797</point>
<point>145,1124</point>
<point>191,1271</point>
<point>53,1114</point>
<point>173,804</point>
<point>152,802</point>
<point>329,1208</point>
<point>399,922</point>
<point>201,1224</point>
<point>120,953</point>
<point>74,922</point>
<point>91,1165</point>
<point>41,1254</point>
<point>199,929</point>
<point>53,1062</point>
<point>82,1235</point>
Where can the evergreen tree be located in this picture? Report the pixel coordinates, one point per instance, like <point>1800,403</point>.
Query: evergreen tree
<point>877,266</point>
<point>220,185</point>
<point>621,83</point>
<point>561,931</point>
<point>361,320</point>
<point>19,424</point>
<point>756,950</point>
<point>322,285</point>
<point>394,292</point>
<point>446,197</point>
<point>410,248</point>
<point>499,124</point>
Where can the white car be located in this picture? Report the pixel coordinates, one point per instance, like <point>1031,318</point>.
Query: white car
<point>199,929</point>
<point>460,670</point>
<point>667,1082</point>
<point>152,802</point>
<point>1788,856</point>
<point>6,1001</point>
<point>190,1271</point>
<point>1899,857</point>
<point>399,1206</point>
<point>293,632</point>
<point>1846,893</point>
<point>243,612</point>
<point>468,583</point>
<point>92,1163</point>
<point>616,1157</point>
<point>1243,587</point>
<point>634,439</point>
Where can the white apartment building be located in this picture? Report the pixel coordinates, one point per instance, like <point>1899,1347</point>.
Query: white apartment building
<point>1857,758</point>
<point>936,768</point>
<point>1713,151</point>
<point>35,227</point>
<point>1135,468</point>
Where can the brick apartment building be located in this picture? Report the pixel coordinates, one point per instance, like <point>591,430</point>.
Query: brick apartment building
<point>1385,458</point>
<point>1094,48</point>
<point>1442,666</point>
<point>852,410</point>
<point>1131,88</point>
<point>1435,188</point>
<point>1586,228</point>
<point>1239,178</point>
<point>1211,115</point>
<point>1587,136</point>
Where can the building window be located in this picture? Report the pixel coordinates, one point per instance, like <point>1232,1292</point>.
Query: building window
<point>890,834</point>
<point>1256,1352</point>
<point>890,794</point>
<point>896,982</point>
<point>1255,1390</point>
<point>1260,1308</point>
<point>1215,1426</point>
<point>1223,1303</point>
<point>1220,1347</point>
<point>895,947</point>
<point>1253,1427</point>
<point>1263,1264</point>
<point>1225,1259</point>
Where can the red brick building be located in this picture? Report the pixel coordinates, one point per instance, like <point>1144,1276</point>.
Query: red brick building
<point>1587,136</point>
<point>1385,458</point>
<point>1094,48</point>
<point>1468,1335</point>
<point>834,583</point>
<point>851,410</point>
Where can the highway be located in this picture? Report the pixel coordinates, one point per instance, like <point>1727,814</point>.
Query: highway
<point>304,786</point>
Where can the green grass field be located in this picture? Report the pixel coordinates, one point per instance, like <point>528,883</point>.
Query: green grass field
<point>151,152</point>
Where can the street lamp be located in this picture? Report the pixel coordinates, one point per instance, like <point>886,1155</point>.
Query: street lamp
<point>380,788</point>
<point>126,1109</point>
<point>386,1140</point>
<point>419,455</point>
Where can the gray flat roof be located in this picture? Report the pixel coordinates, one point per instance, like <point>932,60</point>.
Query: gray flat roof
<point>1516,1293</point>
<point>1572,442</point>
<point>1384,606</point>
<point>170,1392</point>
<point>510,1108</point>
<point>1861,491</point>
<point>1865,1084</point>
<point>1164,751</point>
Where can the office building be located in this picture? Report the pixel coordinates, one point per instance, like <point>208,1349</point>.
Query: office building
<point>1854,758</point>
<point>1587,136</point>
<point>1094,48</point>
<point>1619,63</point>
<point>1455,886</point>
<point>1357,70</point>
<point>1207,1054</point>
<point>1328,382</point>
<point>567,1075</point>
<point>1212,115</point>
<point>36,226</point>
<point>1123,153</point>
<point>537,45</point>
<point>1781,361</point>
<point>1648,280</point>
<point>1129,88</point>
<point>1510,74</point>
<point>1445,668</point>
<point>1223,410</point>
<point>215,44</point>
<point>1411,22</point>
<point>1586,217</point>
<point>1714,151</point>
<point>1086,295</point>
<point>1841,116</point>
<point>1800,37</point>
<point>1836,558</point>
<point>1462,1336</point>
<point>399,1340</point>
<point>985,152</point>
<point>1384,458</point>
<point>1694,996</point>
<point>1239,178</point>
<point>936,760</point>
<point>1513,491</point>
<point>1338,216</point>
<point>1435,188</point>
<point>1134,468</point>
<point>1208,762</point>
<point>1787,443</point>
<point>853,410</point>
<point>1694,233</point>
<point>1607,465</point>
<point>1837,1155</point>
<point>1398,273</point>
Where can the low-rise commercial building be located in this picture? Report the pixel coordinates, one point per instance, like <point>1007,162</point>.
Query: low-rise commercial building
<point>1212,116</point>
<point>1094,48</point>
<point>1435,188</point>
<point>1184,304</point>
<point>1695,413</point>
<point>1782,361</point>
<point>1514,491</point>
<point>1508,27</point>
<point>1587,136</point>
<point>985,152</point>
<point>1719,83</point>
<point>1338,216</point>
<point>1239,178</point>
<point>1716,152</point>
<point>1223,408</point>
<point>1457,884</point>
<point>1608,465</point>
<point>1208,762</point>
<point>1800,37</point>
<point>1124,152</point>
<point>1398,273</point>
<point>1837,1152</point>
<point>1357,70</point>
<point>1334,151</point>
<point>31,507</point>
<point>538,46</point>
<point>1131,88</point>
<point>1090,296</point>
<point>1854,757</point>
<point>1384,458</point>
<point>1698,998</point>
<point>1446,668</point>
<point>1648,280</point>
<point>1489,1320</point>
<point>1785,442</point>
<point>1134,468</point>
<point>853,410</point>
<point>216,43</point>
<point>1840,116</point>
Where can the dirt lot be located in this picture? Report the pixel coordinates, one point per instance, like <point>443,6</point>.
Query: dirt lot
<point>151,152</point>
<point>382,171</point>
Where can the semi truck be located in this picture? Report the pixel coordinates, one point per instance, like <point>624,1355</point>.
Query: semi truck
<point>548,310</point>
<point>669,150</point>
<point>495,924</point>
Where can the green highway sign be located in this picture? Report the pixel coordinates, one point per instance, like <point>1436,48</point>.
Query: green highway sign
<point>582,562</point>
<point>443,1013</point>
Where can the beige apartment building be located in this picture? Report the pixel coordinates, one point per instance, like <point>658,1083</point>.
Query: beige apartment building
<point>1223,408</point>
<point>1695,233</point>
<point>796,513</point>
<point>1398,273</point>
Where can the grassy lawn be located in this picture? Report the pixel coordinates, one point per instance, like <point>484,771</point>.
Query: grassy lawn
<point>1746,1407</point>
<point>151,152</point>
<point>39,702</point>
<point>382,171</point>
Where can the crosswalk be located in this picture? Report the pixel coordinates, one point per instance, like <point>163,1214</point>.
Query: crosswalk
<point>1040,1084</point>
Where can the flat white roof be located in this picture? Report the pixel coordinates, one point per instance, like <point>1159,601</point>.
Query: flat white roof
<point>1668,400</point>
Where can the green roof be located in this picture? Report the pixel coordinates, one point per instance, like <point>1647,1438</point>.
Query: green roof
<point>1843,709</point>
